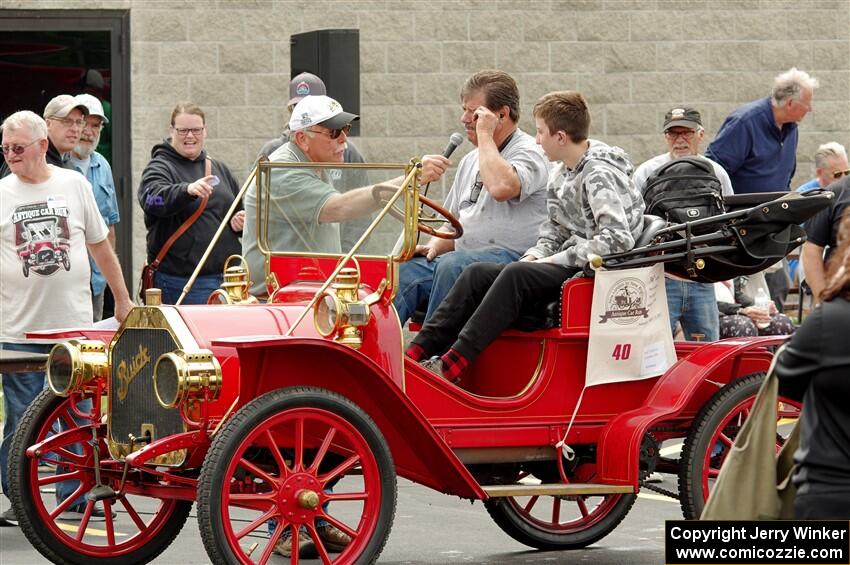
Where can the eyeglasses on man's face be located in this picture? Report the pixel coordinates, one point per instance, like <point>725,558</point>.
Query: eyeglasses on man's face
<point>334,133</point>
<point>183,132</point>
<point>839,174</point>
<point>70,122</point>
<point>685,134</point>
<point>17,149</point>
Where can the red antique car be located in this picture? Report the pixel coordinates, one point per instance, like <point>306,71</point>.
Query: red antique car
<point>273,415</point>
<point>43,250</point>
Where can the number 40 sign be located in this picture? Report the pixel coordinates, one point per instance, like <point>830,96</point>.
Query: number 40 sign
<point>622,351</point>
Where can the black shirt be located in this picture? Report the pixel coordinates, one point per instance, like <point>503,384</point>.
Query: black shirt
<point>815,367</point>
<point>822,229</point>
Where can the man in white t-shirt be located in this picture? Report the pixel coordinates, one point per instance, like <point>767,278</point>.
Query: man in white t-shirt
<point>498,194</point>
<point>691,304</point>
<point>48,220</point>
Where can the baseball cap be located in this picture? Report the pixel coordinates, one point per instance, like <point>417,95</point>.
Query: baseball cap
<point>93,105</point>
<point>682,117</point>
<point>94,79</point>
<point>305,84</point>
<point>62,105</point>
<point>319,110</point>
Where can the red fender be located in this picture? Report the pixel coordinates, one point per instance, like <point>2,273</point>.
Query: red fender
<point>619,442</point>
<point>420,454</point>
<point>80,434</point>
<point>185,440</point>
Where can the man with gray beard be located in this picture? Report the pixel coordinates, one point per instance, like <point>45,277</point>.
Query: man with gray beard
<point>97,171</point>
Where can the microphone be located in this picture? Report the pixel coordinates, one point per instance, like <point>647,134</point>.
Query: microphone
<point>455,140</point>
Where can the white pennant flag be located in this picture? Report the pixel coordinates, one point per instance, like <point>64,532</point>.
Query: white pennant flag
<point>630,336</point>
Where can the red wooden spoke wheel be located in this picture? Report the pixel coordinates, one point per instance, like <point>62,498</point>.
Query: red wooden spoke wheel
<point>143,527</point>
<point>559,522</point>
<point>711,436</point>
<point>292,461</point>
<point>382,194</point>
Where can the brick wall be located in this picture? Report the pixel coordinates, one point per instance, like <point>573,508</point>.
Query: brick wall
<point>632,59</point>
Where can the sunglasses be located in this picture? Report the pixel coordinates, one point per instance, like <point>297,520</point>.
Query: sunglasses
<point>839,174</point>
<point>18,149</point>
<point>334,133</point>
<point>474,192</point>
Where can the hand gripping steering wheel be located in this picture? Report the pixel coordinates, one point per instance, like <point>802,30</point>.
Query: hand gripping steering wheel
<point>431,213</point>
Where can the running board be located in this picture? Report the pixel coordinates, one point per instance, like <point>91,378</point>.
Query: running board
<point>560,489</point>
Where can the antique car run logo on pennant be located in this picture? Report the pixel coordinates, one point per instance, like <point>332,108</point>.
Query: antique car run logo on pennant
<point>626,302</point>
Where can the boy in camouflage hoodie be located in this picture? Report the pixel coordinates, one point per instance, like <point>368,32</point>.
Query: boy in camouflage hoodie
<point>593,208</point>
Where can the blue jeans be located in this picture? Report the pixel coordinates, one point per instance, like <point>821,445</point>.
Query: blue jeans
<point>67,488</point>
<point>19,390</point>
<point>172,287</point>
<point>694,305</point>
<point>421,280</point>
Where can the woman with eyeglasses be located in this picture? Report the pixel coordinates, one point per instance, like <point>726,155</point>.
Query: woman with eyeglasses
<point>179,180</point>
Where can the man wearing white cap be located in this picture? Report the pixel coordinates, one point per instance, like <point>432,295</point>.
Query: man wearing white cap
<point>305,208</point>
<point>305,211</point>
<point>308,84</point>
<point>305,84</point>
<point>65,117</point>
<point>97,171</point>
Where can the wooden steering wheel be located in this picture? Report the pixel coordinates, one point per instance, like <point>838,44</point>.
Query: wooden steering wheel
<point>432,214</point>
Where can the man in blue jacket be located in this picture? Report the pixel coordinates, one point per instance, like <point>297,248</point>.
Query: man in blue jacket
<point>97,171</point>
<point>757,144</point>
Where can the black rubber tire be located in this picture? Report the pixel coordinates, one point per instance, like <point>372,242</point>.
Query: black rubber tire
<point>691,495</point>
<point>66,262</point>
<point>233,432</point>
<point>25,506</point>
<point>525,532</point>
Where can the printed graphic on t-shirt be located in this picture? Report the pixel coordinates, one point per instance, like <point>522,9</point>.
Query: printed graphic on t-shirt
<point>42,236</point>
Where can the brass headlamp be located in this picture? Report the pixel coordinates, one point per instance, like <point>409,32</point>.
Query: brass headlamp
<point>180,376</point>
<point>340,312</point>
<point>72,364</point>
<point>234,288</point>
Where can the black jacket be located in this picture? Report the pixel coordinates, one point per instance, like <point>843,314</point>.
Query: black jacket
<point>822,229</point>
<point>53,158</point>
<point>815,367</point>
<point>166,203</point>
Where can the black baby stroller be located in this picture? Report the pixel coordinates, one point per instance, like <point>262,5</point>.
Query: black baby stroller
<point>741,242</point>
